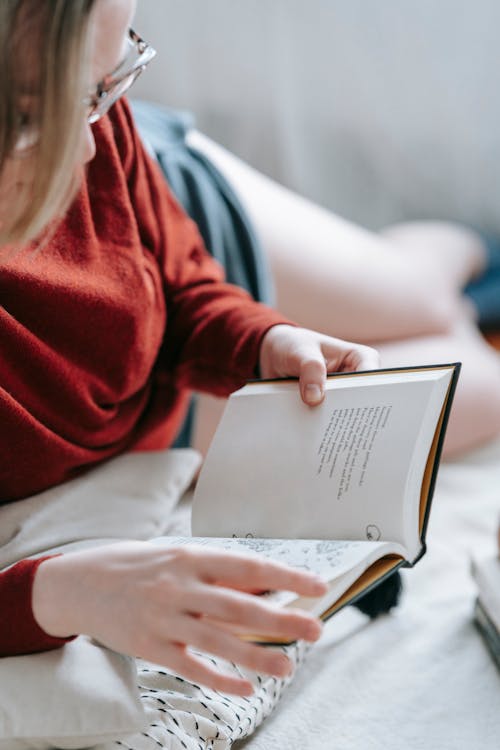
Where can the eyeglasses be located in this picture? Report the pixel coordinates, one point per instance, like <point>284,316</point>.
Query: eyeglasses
<point>111,88</point>
<point>139,54</point>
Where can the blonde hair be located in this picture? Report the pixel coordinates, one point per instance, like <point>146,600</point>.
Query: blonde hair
<point>47,39</point>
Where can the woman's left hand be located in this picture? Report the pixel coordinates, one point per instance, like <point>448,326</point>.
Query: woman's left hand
<point>288,351</point>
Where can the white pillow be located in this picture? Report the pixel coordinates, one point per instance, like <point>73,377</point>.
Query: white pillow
<point>71,697</point>
<point>129,497</point>
<point>83,693</point>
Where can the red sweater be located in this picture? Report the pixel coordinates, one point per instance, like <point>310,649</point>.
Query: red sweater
<point>103,332</point>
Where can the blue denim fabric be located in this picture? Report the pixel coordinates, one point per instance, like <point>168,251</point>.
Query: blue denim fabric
<point>207,197</point>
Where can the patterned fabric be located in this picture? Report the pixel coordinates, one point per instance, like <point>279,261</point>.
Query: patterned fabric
<point>186,716</point>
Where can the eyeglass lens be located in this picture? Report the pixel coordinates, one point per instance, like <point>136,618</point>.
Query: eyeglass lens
<point>111,96</point>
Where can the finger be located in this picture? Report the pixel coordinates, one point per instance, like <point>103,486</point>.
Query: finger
<point>246,572</point>
<point>355,357</point>
<point>254,615</point>
<point>178,658</point>
<point>312,378</point>
<point>206,636</point>
<point>366,358</point>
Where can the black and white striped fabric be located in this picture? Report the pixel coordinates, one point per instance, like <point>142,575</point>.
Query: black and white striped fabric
<point>186,716</point>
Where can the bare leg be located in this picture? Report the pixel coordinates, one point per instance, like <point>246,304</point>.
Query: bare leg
<point>475,417</point>
<point>333,276</point>
<point>399,290</point>
<point>458,249</point>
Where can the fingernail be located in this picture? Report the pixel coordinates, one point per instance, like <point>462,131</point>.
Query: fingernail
<point>247,689</point>
<point>320,584</point>
<point>283,666</point>
<point>313,393</point>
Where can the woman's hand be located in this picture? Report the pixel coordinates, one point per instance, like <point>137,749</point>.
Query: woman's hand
<point>308,355</point>
<point>155,602</point>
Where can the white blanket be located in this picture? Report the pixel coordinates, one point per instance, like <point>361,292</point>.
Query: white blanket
<point>420,678</point>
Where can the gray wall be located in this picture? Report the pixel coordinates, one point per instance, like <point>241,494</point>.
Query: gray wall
<point>378,109</point>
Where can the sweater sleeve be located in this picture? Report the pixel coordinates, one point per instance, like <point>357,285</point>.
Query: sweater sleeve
<point>19,631</point>
<point>214,329</point>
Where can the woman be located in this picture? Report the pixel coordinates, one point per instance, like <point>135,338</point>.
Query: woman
<point>111,312</point>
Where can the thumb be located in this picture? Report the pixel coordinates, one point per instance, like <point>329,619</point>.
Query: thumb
<point>312,380</point>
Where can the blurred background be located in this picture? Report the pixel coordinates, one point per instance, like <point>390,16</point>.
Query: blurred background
<point>380,111</point>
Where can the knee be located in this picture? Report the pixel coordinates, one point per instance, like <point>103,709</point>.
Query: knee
<point>436,233</point>
<point>439,311</point>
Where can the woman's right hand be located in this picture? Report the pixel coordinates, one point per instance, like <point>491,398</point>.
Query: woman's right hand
<point>153,602</point>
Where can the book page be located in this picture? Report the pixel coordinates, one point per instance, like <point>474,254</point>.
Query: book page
<point>338,562</point>
<point>343,470</point>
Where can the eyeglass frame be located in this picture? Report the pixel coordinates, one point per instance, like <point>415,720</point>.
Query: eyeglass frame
<point>100,101</point>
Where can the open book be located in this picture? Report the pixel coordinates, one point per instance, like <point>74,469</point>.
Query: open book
<point>343,488</point>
